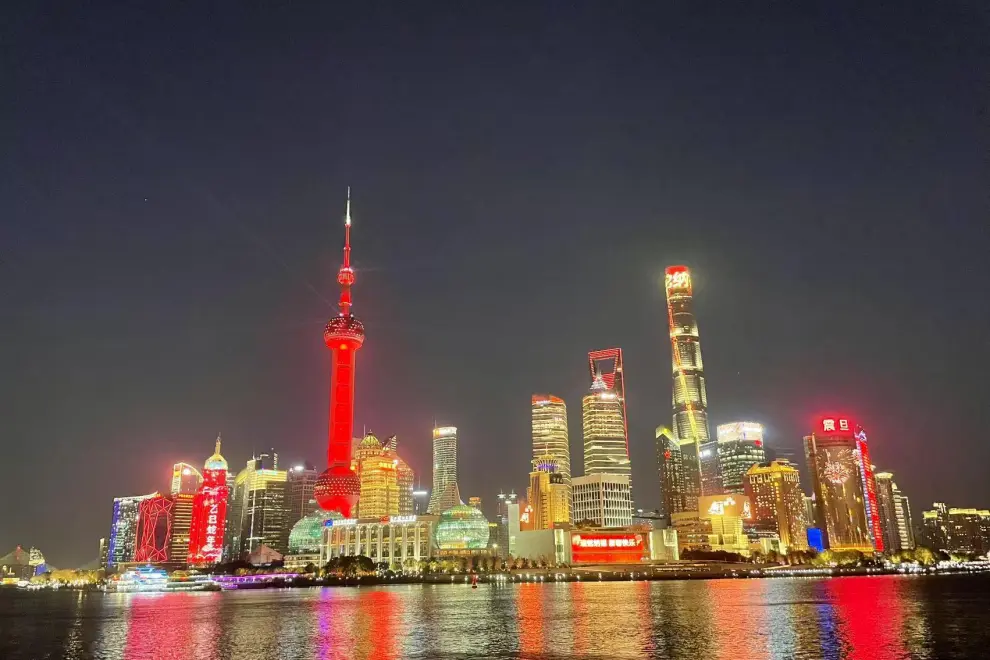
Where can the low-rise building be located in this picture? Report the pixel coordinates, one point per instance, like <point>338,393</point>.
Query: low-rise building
<point>393,539</point>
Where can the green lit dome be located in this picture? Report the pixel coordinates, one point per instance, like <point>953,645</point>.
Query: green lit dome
<point>462,527</point>
<point>307,534</point>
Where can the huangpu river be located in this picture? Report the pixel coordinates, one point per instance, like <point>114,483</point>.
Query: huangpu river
<point>847,617</point>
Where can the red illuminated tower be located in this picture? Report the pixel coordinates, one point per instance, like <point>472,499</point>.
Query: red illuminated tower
<point>338,488</point>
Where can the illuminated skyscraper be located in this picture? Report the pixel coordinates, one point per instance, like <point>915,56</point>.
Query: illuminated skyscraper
<point>445,493</point>
<point>603,499</point>
<point>124,529</point>
<point>154,531</point>
<point>774,490</point>
<point>338,487</point>
<point>379,480</point>
<point>185,479</point>
<point>182,516</point>
<point>209,513</point>
<point>845,491</point>
<point>605,448</point>
<point>895,514</point>
<point>547,494</point>
<point>607,363</point>
<point>740,447</point>
<point>259,507</point>
<point>550,436</point>
<point>506,505</point>
<point>690,401</point>
<point>670,465</point>
<point>299,498</point>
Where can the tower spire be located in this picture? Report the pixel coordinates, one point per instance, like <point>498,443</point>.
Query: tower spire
<point>218,443</point>
<point>345,276</point>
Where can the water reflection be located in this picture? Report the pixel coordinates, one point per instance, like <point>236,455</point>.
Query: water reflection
<point>856,617</point>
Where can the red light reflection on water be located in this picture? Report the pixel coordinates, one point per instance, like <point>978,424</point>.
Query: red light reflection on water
<point>159,626</point>
<point>529,607</point>
<point>357,623</point>
<point>870,614</point>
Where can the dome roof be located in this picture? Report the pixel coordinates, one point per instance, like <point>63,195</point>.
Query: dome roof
<point>216,462</point>
<point>307,534</point>
<point>462,527</point>
<point>370,442</point>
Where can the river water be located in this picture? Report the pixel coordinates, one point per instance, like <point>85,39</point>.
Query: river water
<point>848,617</point>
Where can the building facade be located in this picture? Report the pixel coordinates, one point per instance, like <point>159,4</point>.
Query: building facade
<point>209,513</point>
<point>548,494</point>
<point>605,447</point>
<point>505,501</point>
<point>740,447</point>
<point>957,530</point>
<point>395,540</point>
<point>299,493</point>
<point>154,529</point>
<point>607,363</point>
<point>122,546</point>
<point>603,499</point>
<point>669,464</point>
<point>185,479</point>
<point>445,493</point>
<point>690,398</point>
<point>777,501</point>
<point>841,487</point>
<point>550,435</point>
<point>259,507</point>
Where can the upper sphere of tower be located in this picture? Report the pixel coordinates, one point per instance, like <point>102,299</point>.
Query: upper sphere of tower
<point>342,329</point>
<point>216,461</point>
<point>345,276</point>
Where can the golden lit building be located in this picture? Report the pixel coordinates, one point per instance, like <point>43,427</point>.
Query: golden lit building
<point>182,510</point>
<point>548,494</point>
<point>774,491</point>
<point>840,480</point>
<point>386,480</point>
<point>725,514</point>
<point>550,436</point>
<point>258,504</point>
<point>605,450</point>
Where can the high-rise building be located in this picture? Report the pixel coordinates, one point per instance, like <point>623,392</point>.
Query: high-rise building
<point>182,515</point>
<point>378,474</point>
<point>604,499</point>
<point>185,479</point>
<point>547,493</point>
<point>605,448</point>
<point>445,493</point>
<point>740,447</point>
<point>124,529</point>
<point>845,491</point>
<point>154,531</point>
<point>104,549</point>
<point>690,400</point>
<point>774,490</point>
<point>885,507</point>
<point>505,502</point>
<point>956,530</point>
<point>550,436</point>
<point>905,524</point>
<point>338,487</point>
<point>259,506</point>
<point>299,498</point>
<point>209,513</point>
<point>670,465</point>
<point>608,364</point>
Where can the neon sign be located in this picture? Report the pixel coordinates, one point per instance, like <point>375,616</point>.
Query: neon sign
<point>401,520</point>
<point>607,548</point>
<point>677,278</point>
<point>833,424</point>
<point>346,522</point>
<point>631,541</point>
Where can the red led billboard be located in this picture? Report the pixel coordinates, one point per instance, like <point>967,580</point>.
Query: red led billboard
<point>605,548</point>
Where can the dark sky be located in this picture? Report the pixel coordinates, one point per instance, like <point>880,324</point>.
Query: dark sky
<point>172,190</point>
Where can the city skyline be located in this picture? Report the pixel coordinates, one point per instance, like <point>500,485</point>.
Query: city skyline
<point>171,248</point>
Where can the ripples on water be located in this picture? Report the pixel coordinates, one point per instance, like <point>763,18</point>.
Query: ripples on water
<point>852,617</point>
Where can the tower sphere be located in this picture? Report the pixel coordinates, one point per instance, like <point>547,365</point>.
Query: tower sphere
<point>337,488</point>
<point>343,329</point>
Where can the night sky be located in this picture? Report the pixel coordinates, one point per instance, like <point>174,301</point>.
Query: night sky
<point>171,203</point>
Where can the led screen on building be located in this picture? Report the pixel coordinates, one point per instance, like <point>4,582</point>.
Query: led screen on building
<point>604,548</point>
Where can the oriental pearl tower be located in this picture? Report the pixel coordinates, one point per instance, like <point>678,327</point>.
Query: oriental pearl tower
<point>338,487</point>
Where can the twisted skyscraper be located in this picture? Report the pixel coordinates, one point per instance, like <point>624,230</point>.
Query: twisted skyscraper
<point>690,402</point>
<point>338,488</point>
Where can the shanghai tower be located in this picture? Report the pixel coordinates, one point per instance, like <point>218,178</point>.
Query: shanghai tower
<point>338,487</point>
<point>690,402</point>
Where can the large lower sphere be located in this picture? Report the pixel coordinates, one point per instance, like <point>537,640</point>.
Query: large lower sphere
<point>338,489</point>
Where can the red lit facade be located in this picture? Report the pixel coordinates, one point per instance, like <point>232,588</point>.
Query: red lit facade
<point>154,529</point>
<point>608,548</point>
<point>338,487</point>
<point>209,514</point>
